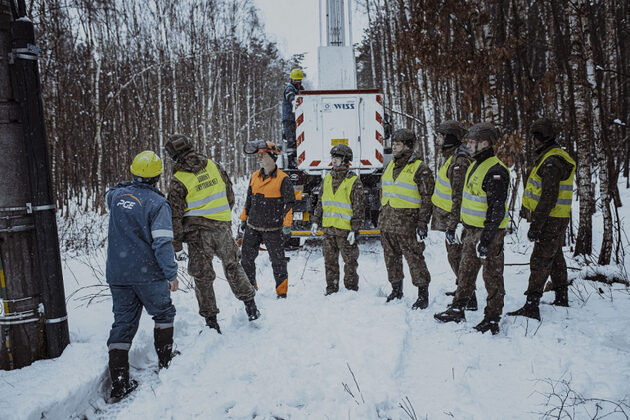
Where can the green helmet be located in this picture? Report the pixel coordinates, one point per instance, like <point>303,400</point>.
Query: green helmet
<point>342,151</point>
<point>177,146</point>
<point>405,136</point>
<point>482,132</point>
<point>545,127</point>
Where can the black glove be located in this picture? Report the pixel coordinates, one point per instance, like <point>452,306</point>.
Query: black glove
<point>242,225</point>
<point>450,236</point>
<point>533,236</point>
<point>482,251</point>
<point>421,234</point>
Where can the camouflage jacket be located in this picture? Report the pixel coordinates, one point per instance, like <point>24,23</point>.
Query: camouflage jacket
<point>356,200</point>
<point>554,170</point>
<point>407,220</point>
<point>456,173</point>
<point>192,162</point>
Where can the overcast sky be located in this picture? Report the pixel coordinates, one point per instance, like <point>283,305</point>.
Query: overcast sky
<point>293,24</point>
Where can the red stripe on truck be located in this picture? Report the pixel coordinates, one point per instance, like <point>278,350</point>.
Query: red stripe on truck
<point>379,156</point>
<point>300,138</point>
<point>299,120</point>
<point>379,119</point>
<point>315,162</point>
<point>379,137</point>
<point>366,162</point>
<point>301,157</point>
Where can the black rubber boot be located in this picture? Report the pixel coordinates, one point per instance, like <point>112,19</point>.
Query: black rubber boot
<point>397,292</point>
<point>251,309</point>
<point>119,373</point>
<point>491,325</point>
<point>423,298</point>
<point>529,310</point>
<point>562,298</point>
<point>472,302</point>
<point>211,322</point>
<point>163,342</point>
<point>451,314</point>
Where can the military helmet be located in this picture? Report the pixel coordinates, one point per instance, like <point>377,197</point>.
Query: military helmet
<point>453,132</point>
<point>146,166</point>
<point>482,132</point>
<point>545,127</point>
<point>296,74</point>
<point>342,151</point>
<point>452,127</point>
<point>177,146</point>
<point>405,136</point>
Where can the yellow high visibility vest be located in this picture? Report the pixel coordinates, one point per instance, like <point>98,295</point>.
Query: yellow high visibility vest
<point>336,207</point>
<point>474,198</point>
<point>401,193</point>
<point>206,193</point>
<point>443,193</point>
<point>533,188</point>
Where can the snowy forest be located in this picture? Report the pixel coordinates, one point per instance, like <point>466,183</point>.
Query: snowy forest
<point>120,76</point>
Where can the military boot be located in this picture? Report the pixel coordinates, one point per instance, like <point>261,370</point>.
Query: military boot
<point>491,325</point>
<point>451,314</point>
<point>211,322</point>
<point>397,292</point>
<point>471,305</point>
<point>423,298</point>
<point>163,342</point>
<point>251,309</point>
<point>119,373</point>
<point>530,309</point>
<point>562,297</point>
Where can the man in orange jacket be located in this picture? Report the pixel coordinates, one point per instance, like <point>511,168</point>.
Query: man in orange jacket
<point>267,215</point>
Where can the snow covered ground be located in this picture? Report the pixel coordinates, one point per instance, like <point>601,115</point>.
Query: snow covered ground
<point>348,355</point>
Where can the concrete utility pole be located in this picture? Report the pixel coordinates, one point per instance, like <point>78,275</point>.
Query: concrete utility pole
<point>33,319</point>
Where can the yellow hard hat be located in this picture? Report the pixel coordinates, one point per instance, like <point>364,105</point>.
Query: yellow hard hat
<point>296,74</point>
<point>146,165</point>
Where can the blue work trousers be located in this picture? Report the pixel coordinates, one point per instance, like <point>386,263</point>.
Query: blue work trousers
<point>127,307</point>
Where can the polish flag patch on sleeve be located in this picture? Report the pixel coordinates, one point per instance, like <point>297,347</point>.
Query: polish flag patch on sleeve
<point>496,177</point>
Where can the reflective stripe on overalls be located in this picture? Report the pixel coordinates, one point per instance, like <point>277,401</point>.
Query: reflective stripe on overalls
<point>474,198</point>
<point>206,193</point>
<point>336,207</point>
<point>533,188</point>
<point>401,193</point>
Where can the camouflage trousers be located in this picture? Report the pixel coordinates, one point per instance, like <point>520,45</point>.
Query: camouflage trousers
<point>547,258</point>
<point>203,245</point>
<point>397,245</point>
<point>492,272</point>
<point>333,245</point>
<point>454,254</point>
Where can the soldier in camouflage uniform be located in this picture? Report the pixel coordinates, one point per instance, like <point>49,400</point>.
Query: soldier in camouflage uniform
<point>340,210</point>
<point>547,203</point>
<point>484,215</point>
<point>407,186</point>
<point>447,194</point>
<point>201,198</point>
